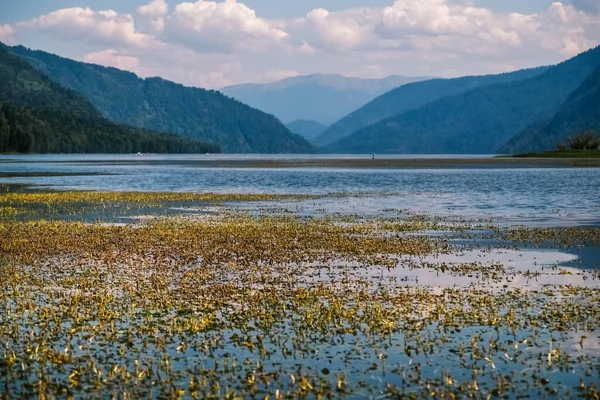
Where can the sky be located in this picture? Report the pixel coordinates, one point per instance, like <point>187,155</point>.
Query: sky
<point>213,44</point>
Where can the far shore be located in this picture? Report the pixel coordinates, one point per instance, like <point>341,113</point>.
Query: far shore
<point>562,154</point>
<point>364,163</point>
<point>565,159</point>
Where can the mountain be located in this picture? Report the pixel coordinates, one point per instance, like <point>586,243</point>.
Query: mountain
<point>410,97</point>
<point>478,121</point>
<point>38,115</point>
<point>158,104</point>
<point>580,112</point>
<point>324,98</point>
<point>307,129</point>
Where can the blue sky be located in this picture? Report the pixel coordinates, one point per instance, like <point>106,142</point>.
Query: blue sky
<point>217,43</point>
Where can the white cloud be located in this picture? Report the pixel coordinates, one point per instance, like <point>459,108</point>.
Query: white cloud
<point>339,31</point>
<point>152,16</point>
<point>173,62</point>
<point>432,17</point>
<point>305,48</point>
<point>449,29</point>
<point>106,27</point>
<point>221,27</point>
<point>111,58</point>
<point>217,43</point>
<point>567,30</point>
<point>6,33</point>
<point>156,8</point>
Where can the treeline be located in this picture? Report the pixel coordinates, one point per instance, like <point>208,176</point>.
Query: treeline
<point>39,116</point>
<point>23,132</point>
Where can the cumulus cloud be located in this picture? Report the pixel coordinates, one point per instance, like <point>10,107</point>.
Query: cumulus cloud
<point>152,16</point>
<point>157,8</point>
<point>106,27</point>
<point>6,33</point>
<point>173,62</point>
<point>568,30</point>
<point>449,28</point>
<point>221,27</point>
<point>337,31</point>
<point>111,58</point>
<point>216,43</point>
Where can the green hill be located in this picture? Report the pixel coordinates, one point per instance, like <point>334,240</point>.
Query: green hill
<point>38,115</point>
<point>412,96</point>
<point>158,104</point>
<point>478,121</point>
<point>581,112</point>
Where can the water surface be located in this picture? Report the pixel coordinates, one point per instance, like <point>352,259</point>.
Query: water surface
<point>541,194</point>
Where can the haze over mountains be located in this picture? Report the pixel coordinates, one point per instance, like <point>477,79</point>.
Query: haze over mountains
<point>412,96</point>
<point>478,121</point>
<point>323,98</point>
<point>162,105</point>
<point>307,129</point>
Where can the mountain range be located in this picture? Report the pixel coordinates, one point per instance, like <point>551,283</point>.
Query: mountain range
<point>412,96</point>
<point>579,113</point>
<point>477,121</point>
<point>53,104</point>
<point>323,98</point>
<point>38,115</point>
<point>158,104</point>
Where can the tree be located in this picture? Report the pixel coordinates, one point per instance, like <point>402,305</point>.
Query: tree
<point>585,141</point>
<point>4,132</point>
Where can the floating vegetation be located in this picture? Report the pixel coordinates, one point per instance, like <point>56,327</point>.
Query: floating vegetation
<point>85,205</point>
<point>78,197</point>
<point>567,237</point>
<point>237,306</point>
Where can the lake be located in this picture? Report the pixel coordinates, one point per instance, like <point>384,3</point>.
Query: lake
<point>534,192</point>
<point>420,280</point>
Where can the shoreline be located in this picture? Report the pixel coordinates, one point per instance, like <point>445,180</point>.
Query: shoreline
<point>367,163</point>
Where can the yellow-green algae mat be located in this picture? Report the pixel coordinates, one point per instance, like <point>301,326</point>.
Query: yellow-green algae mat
<point>270,307</point>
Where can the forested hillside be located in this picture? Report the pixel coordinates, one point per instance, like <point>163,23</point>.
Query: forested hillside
<point>580,113</point>
<point>38,115</point>
<point>158,104</point>
<point>477,121</point>
<point>412,96</point>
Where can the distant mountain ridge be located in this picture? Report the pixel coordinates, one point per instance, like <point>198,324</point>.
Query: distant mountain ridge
<point>39,116</point>
<point>579,113</point>
<point>412,96</point>
<point>158,104</point>
<point>478,121</point>
<point>323,98</point>
<point>307,129</point>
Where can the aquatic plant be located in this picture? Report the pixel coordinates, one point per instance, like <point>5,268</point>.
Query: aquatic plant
<point>277,306</point>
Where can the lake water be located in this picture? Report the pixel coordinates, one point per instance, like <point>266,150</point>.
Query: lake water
<point>541,195</point>
<point>463,188</point>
